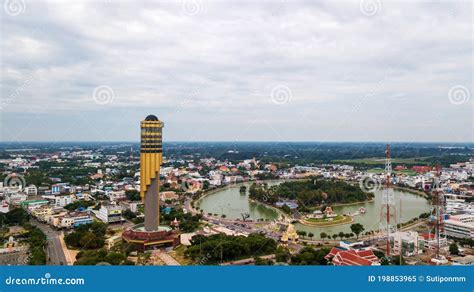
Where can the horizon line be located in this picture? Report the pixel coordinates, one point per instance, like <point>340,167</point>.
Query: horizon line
<point>243,141</point>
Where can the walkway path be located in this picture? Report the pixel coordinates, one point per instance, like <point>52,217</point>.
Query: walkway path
<point>166,258</point>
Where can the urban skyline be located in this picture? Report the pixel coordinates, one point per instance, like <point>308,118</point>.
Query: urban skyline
<point>328,139</point>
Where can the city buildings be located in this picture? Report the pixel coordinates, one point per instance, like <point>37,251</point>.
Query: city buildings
<point>407,243</point>
<point>31,190</point>
<point>115,196</point>
<point>190,173</point>
<point>339,256</point>
<point>463,261</point>
<point>110,214</point>
<point>74,219</point>
<point>61,201</point>
<point>460,226</point>
<point>42,213</point>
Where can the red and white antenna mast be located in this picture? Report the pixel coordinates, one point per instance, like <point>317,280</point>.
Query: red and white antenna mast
<point>388,223</point>
<point>437,209</point>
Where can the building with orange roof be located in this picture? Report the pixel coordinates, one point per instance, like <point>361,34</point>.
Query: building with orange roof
<point>339,256</point>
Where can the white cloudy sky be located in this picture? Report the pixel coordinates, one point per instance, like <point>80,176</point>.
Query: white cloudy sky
<point>237,70</point>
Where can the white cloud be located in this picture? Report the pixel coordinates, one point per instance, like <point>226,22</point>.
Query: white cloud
<point>385,72</point>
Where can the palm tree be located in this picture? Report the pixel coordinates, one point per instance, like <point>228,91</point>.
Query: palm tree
<point>311,235</point>
<point>334,236</point>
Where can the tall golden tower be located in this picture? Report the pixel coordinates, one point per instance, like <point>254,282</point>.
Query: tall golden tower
<point>151,156</point>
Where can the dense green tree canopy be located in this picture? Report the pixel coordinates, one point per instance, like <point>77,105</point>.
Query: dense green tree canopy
<point>210,250</point>
<point>309,193</point>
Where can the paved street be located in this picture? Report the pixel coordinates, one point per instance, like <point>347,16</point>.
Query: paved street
<point>54,250</point>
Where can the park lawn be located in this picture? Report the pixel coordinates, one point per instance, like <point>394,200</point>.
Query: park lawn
<point>323,220</point>
<point>338,220</point>
<point>407,172</point>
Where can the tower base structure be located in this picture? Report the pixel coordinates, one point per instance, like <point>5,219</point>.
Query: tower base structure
<point>142,239</point>
<point>152,206</point>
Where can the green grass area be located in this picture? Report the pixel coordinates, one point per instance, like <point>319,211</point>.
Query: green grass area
<point>406,171</point>
<point>339,219</point>
<point>317,220</point>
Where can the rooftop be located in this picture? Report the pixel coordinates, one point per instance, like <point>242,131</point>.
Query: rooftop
<point>151,118</point>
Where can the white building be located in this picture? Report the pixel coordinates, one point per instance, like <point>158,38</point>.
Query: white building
<point>409,243</point>
<point>66,222</point>
<point>116,195</point>
<point>15,198</point>
<point>31,190</point>
<point>130,205</point>
<point>61,201</point>
<point>460,226</point>
<point>463,261</point>
<point>110,214</point>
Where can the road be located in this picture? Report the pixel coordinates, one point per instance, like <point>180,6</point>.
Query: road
<point>54,250</point>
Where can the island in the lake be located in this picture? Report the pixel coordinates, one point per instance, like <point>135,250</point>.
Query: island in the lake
<point>312,200</point>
